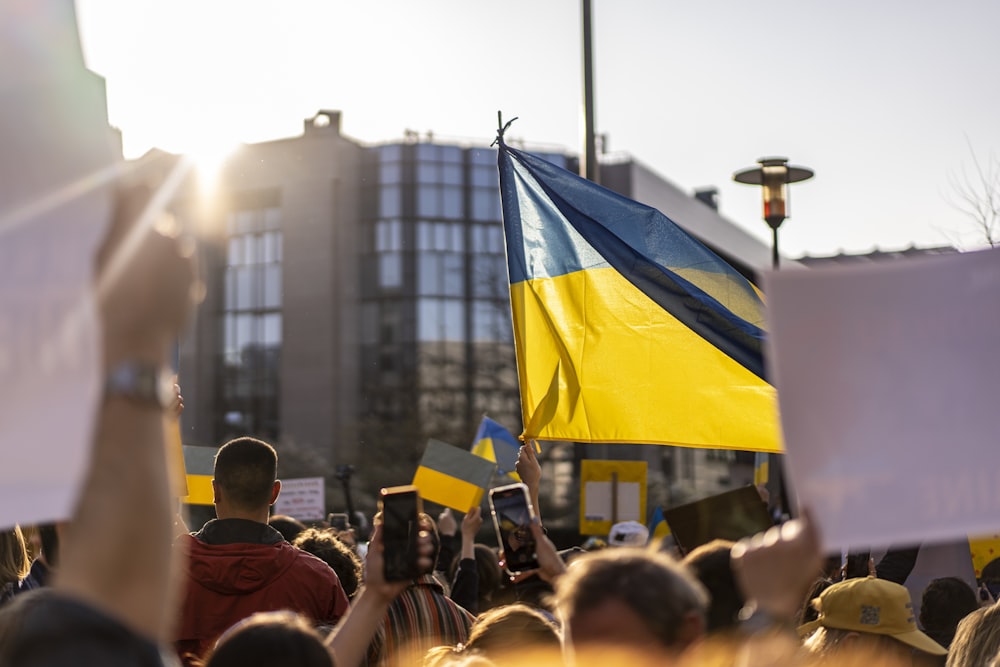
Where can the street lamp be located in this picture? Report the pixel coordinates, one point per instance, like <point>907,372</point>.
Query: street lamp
<point>773,175</point>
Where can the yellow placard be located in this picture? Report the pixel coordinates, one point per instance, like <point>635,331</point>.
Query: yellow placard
<point>611,491</point>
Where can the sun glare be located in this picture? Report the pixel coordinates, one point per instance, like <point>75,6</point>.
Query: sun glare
<point>208,158</point>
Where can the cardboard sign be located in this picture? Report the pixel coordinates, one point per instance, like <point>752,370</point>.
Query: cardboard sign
<point>888,377</point>
<point>732,515</point>
<point>303,498</point>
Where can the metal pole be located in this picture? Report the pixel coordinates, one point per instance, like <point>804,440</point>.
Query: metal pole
<point>774,248</point>
<point>590,167</point>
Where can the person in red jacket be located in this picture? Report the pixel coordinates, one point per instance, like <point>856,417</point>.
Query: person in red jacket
<point>239,565</point>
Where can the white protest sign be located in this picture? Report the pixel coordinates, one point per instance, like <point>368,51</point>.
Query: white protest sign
<point>888,378</point>
<point>303,498</point>
<point>55,203</point>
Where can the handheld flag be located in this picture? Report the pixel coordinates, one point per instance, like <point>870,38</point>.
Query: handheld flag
<point>452,477</point>
<point>495,443</point>
<point>658,527</point>
<point>627,329</point>
<point>199,462</point>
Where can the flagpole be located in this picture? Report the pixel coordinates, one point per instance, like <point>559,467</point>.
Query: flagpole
<point>590,167</point>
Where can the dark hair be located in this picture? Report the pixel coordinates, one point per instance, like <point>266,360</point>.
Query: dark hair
<point>289,527</point>
<point>325,545</point>
<point>245,470</point>
<point>711,564</point>
<point>49,539</point>
<point>945,602</point>
<point>276,639</point>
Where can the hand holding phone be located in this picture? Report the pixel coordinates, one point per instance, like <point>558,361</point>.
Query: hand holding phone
<point>512,518</point>
<point>401,507</point>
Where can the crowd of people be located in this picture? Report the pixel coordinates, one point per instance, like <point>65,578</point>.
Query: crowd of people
<point>124,582</point>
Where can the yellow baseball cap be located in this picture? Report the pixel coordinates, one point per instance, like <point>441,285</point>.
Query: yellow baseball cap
<point>871,605</point>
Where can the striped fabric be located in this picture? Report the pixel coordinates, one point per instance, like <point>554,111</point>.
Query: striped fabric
<point>419,619</point>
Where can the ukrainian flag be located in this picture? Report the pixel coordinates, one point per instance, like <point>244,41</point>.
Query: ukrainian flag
<point>627,328</point>
<point>495,443</point>
<point>452,477</point>
<point>199,462</point>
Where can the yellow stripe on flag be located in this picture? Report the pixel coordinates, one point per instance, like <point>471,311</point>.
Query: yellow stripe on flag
<point>598,360</point>
<point>447,490</point>
<point>199,490</point>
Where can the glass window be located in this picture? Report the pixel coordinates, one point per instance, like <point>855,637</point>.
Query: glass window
<point>428,152</point>
<point>428,274</point>
<point>388,235</point>
<point>484,156</point>
<point>390,270</point>
<point>234,253</point>
<point>451,174</point>
<point>249,254</point>
<point>390,153</point>
<point>491,322</point>
<point>454,320</point>
<point>425,235</point>
<point>390,202</point>
<point>428,201</point>
<point>451,205</point>
<point>244,333</point>
<point>485,204</point>
<point>441,235</point>
<point>245,222</point>
<point>453,275</point>
<point>272,285</point>
<point>457,237</point>
<point>390,173</point>
<point>272,247</point>
<point>489,277</point>
<point>272,329</point>
<point>485,177</point>
<point>428,172</point>
<point>451,154</point>
<point>244,288</point>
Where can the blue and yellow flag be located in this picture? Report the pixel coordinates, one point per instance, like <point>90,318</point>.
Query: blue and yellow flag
<point>495,443</point>
<point>658,527</point>
<point>627,328</point>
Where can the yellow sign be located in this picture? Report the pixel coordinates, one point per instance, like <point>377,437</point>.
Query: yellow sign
<point>611,491</point>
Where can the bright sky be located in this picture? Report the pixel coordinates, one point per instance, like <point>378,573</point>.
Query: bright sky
<point>882,99</point>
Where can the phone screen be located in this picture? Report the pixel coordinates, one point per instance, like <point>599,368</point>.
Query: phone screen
<point>399,533</point>
<point>512,519</point>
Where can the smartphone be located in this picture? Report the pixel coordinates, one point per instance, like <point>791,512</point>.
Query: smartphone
<point>512,517</point>
<point>401,507</point>
<point>338,521</point>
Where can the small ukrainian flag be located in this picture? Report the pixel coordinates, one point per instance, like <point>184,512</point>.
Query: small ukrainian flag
<point>199,462</point>
<point>452,477</point>
<point>495,443</point>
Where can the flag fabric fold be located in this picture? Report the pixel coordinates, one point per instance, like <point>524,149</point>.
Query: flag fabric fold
<point>627,328</point>
<point>495,443</point>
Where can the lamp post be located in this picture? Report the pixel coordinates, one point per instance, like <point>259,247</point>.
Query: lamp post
<point>773,175</point>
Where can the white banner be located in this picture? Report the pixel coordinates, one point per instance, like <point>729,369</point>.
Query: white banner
<point>303,498</point>
<point>888,378</point>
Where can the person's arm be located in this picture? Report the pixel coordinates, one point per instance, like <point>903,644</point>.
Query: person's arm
<point>465,587</point>
<point>530,472</point>
<point>117,547</point>
<point>349,640</point>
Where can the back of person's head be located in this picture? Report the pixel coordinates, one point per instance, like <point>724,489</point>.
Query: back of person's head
<point>325,545</point>
<point>14,562</point>
<point>866,611</point>
<point>647,596</point>
<point>711,564</point>
<point>977,639</point>
<point>945,602</point>
<point>245,471</point>
<point>512,627</point>
<point>289,527</point>
<point>275,639</point>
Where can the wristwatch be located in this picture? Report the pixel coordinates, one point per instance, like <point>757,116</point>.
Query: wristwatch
<point>143,383</point>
